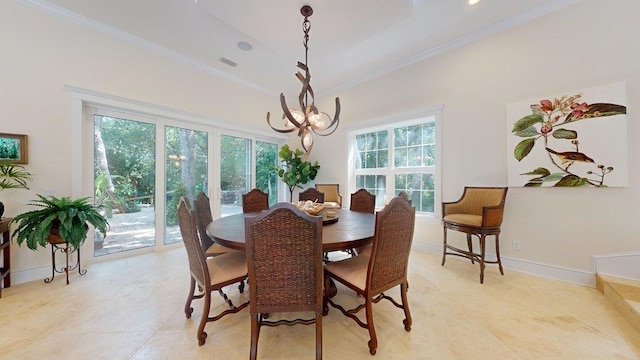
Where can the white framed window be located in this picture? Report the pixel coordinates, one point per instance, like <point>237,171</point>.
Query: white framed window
<point>398,154</point>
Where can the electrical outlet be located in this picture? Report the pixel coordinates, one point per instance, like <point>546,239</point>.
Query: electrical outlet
<point>516,245</point>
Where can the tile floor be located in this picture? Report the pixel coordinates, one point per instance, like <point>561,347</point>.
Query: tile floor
<point>133,309</point>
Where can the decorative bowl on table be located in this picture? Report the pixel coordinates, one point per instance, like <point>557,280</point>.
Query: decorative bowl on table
<point>310,207</point>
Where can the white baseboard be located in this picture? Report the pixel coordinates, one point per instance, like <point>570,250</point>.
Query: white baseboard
<point>39,273</point>
<point>574,276</point>
<point>623,265</point>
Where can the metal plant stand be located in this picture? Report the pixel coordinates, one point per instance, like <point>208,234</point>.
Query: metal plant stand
<point>64,247</point>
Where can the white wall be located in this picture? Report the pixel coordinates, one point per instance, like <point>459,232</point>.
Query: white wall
<point>40,54</point>
<point>588,44</point>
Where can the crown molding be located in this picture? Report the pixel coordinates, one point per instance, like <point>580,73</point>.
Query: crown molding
<point>84,21</point>
<point>452,44</point>
<point>76,18</point>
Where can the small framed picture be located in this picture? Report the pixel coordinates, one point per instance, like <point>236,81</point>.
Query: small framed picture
<point>13,148</point>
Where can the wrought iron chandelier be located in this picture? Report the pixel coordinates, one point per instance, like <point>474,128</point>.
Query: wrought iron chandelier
<point>308,119</point>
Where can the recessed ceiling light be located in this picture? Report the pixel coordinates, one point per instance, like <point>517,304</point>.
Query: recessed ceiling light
<point>473,2</point>
<point>243,45</point>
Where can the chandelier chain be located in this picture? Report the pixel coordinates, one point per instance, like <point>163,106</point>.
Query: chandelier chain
<point>308,119</point>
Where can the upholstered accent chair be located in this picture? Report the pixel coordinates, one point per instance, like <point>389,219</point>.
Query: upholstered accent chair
<point>478,213</point>
<point>385,269</point>
<point>284,258</point>
<point>332,197</point>
<point>209,273</point>
<point>255,201</point>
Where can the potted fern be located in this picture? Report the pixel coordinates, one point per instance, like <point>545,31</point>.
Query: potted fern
<point>58,220</point>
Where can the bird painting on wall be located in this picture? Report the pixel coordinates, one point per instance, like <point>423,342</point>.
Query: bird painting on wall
<point>554,122</point>
<point>567,158</point>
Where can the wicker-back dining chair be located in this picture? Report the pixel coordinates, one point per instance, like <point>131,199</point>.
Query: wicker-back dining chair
<point>363,201</point>
<point>209,273</point>
<point>202,209</point>
<point>406,196</point>
<point>284,259</point>
<point>255,200</point>
<point>311,194</point>
<point>384,269</point>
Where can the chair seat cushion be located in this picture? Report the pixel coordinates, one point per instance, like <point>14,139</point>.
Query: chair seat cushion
<point>227,267</point>
<point>352,270</point>
<point>217,249</point>
<point>464,219</point>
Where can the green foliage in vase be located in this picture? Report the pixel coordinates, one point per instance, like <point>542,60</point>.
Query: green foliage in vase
<point>69,217</point>
<point>295,172</point>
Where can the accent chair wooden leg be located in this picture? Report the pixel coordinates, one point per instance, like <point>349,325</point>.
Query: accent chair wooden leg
<point>444,246</point>
<point>482,253</point>
<point>498,254</point>
<point>470,247</point>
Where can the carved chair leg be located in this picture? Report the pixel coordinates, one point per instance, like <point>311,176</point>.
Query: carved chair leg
<point>188,310</point>
<point>405,306</point>
<point>201,334</point>
<point>255,334</point>
<point>373,342</point>
<point>318,336</point>
<point>327,294</point>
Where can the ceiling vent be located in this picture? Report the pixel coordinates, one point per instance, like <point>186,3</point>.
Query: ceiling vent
<point>228,62</point>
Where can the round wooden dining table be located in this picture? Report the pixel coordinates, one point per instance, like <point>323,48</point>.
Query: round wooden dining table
<point>348,230</point>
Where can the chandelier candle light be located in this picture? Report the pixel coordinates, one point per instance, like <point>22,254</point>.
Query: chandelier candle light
<point>308,119</point>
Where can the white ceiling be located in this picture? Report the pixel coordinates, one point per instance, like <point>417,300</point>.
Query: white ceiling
<point>350,40</point>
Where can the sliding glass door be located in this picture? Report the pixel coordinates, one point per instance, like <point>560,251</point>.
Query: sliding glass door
<point>238,175</point>
<point>235,173</point>
<point>266,163</point>
<point>126,165</point>
<point>186,173</point>
<point>142,165</point>
<point>124,183</point>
